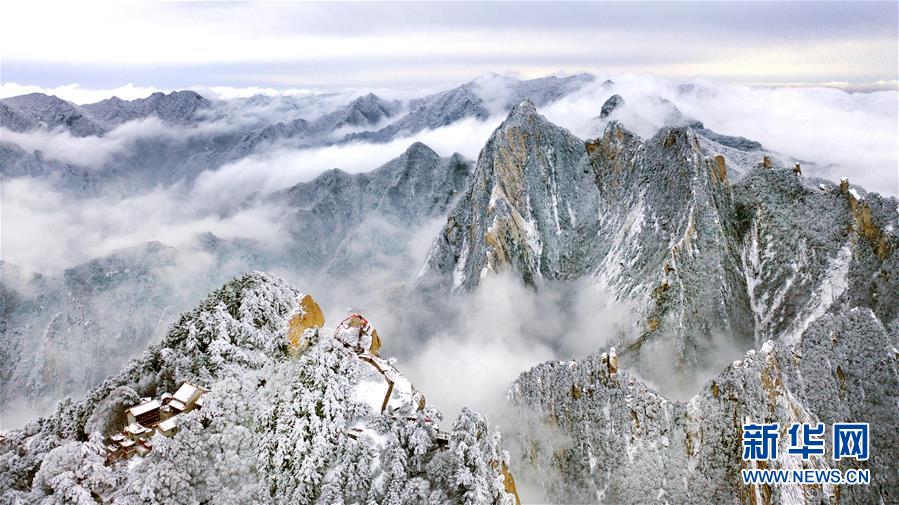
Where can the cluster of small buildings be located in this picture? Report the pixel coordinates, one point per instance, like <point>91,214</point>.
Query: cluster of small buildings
<point>152,416</point>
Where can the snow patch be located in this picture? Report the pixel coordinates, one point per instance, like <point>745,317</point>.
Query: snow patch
<point>830,289</point>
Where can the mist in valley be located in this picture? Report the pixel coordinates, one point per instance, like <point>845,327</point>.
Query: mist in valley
<point>459,349</point>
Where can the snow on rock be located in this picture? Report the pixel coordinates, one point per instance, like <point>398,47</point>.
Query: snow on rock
<point>619,439</point>
<point>276,426</point>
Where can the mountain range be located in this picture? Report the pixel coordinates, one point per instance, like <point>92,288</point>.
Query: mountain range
<point>756,292</point>
<point>206,134</point>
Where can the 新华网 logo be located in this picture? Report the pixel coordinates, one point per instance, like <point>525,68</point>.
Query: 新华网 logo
<point>762,442</point>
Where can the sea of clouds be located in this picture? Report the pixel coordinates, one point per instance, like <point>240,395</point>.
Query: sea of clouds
<point>467,351</point>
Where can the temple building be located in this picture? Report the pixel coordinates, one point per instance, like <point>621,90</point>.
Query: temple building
<point>152,416</point>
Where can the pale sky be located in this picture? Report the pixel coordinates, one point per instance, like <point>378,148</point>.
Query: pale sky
<point>415,45</point>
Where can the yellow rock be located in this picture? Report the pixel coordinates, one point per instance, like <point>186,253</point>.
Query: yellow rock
<point>867,228</point>
<point>719,170</point>
<point>309,316</point>
<point>508,480</point>
<point>375,343</point>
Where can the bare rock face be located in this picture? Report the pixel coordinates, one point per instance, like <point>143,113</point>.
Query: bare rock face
<point>651,220</point>
<point>615,440</point>
<point>308,316</point>
<point>668,240</point>
<point>530,207</point>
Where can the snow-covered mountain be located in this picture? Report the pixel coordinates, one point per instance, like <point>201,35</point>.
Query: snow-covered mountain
<point>175,107</point>
<point>336,226</point>
<point>167,138</point>
<point>602,435</point>
<point>363,221</point>
<point>279,423</point>
<point>753,291</point>
<point>110,307</point>
<point>477,99</point>
<point>64,333</point>
<point>37,110</point>
<point>658,221</point>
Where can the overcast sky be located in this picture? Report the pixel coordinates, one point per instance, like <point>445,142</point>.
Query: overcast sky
<point>405,45</point>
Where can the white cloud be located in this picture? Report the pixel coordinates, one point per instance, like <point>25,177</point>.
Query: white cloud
<point>64,147</point>
<point>99,151</point>
<point>232,92</point>
<point>852,134</point>
<point>46,231</point>
<point>282,167</point>
<point>465,351</point>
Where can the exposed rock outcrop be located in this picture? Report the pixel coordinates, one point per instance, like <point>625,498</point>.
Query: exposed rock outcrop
<point>308,316</point>
<point>714,266</point>
<point>530,207</point>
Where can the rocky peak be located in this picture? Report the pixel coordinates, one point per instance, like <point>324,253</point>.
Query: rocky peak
<point>808,248</point>
<point>177,106</point>
<point>545,90</point>
<point>449,106</point>
<point>372,102</point>
<point>525,110</point>
<point>383,206</point>
<point>420,151</point>
<point>367,110</point>
<point>613,103</point>
<point>667,219</point>
<point>38,109</point>
<point>649,219</point>
<point>528,203</point>
<point>38,102</point>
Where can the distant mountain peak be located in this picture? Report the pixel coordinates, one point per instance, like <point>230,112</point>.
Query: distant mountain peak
<point>420,148</point>
<point>613,103</point>
<point>36,100</point>
<point>525,107</point>
<point>35,110</point>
